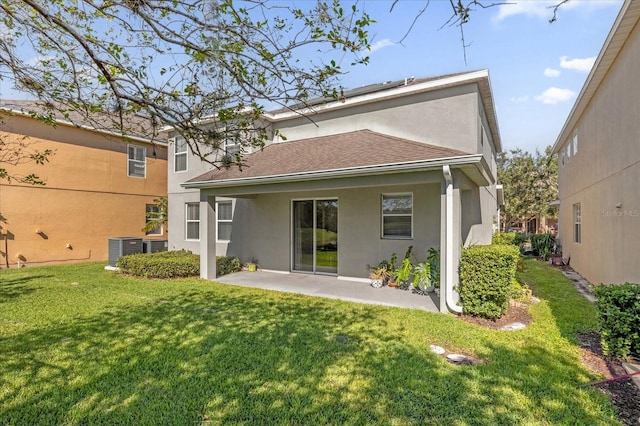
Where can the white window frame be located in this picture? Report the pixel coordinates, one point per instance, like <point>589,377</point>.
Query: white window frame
<point>383,215</point>
<point>180,143</point>
<point>231,148</point>
<point>575,142</point>
<point>187,221</point>
<point>130,160</point>
<point>146,219</point>
<point>219,221</point>
<point>577,223</point>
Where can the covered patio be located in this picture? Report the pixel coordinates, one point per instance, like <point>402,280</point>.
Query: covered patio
<point>331,287</point>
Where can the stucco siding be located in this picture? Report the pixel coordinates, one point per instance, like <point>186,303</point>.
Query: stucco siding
<point>445,118</point>
<point>87,198</point>
<point>604,173</point>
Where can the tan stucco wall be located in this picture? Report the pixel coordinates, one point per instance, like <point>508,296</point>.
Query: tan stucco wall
<point>87,199</point>
<point>604,172</point>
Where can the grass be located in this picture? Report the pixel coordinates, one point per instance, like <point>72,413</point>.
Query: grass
<point>80,345</point>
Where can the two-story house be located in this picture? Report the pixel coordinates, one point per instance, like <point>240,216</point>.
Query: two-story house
<point>599,161</point>
<point>98,185</point>
<point>387,166</point>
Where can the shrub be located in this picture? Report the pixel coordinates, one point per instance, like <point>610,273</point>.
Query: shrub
<point>504,238</point>
<point>543,244</point>
<point>618,311</point>
<point>163,264</point>
<point>487,274</point>
<point>226,265</point>
<point>521,238</point>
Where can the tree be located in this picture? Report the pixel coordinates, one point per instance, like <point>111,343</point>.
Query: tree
<point>157,216</point>
<point>181,63</point>
<point>530,184</point>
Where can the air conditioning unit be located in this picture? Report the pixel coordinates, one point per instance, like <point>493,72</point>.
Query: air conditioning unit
<point>152,246</point>
<point>122,246</point>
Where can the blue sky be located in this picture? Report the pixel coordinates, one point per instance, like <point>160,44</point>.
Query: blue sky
<point>537,69</point>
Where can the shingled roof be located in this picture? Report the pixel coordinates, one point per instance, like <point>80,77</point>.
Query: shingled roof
<point>326,153</point>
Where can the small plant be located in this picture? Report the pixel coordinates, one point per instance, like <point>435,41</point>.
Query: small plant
<point>379,276</point>
<point>403,274</point>
<point>433,258</point>
<point>422,277</point>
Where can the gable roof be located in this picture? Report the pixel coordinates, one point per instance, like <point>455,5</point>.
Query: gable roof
<point>331,156</point>
<point>626,21</point>
<point>135,127</point>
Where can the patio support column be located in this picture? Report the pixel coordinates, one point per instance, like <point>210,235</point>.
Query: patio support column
<point>207,236</point>
<point>450,241</point>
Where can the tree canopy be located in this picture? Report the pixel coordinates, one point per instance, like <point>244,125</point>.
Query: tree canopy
<point>530,183</point>
<point>179,63</point>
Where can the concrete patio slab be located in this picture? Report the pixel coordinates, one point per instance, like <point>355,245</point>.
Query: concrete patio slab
<point>331,288</point>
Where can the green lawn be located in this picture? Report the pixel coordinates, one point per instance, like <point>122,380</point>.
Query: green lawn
<point>80,345</point>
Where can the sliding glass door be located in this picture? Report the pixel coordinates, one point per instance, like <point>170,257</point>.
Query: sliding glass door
<point>315,236</point>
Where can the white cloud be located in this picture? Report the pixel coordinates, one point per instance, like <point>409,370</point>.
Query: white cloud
<point>582,65</point>
<point>550,72</point>
<point>520,99</point>
<point>554,95</point>
<point>385,42</point>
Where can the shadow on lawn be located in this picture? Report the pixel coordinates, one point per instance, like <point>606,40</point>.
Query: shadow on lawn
<point>11,288</point>
<point>212,358</point>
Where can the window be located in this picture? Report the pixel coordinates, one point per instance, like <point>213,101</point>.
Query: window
<point>137,161</point>
<point>575,142</point>
<point>568,152</point>
<point>577,223</point>
<point>153,211</point>
<point>193,221</point>
<point>180,155</point>
<point>224,216</point>
<point>231,146</point>
<point>397,216</point>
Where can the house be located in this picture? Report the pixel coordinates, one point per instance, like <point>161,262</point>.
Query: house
<point>97,185</point>
<point>388,166</point>
<point>598,152</point>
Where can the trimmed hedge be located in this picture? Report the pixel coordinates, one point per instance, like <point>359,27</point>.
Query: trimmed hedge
<point>618,310</point>
<point>487,275</point>
<point>172,264</point>
<point>504,238</point>
<point>226,265</point>
<point>162,264</point>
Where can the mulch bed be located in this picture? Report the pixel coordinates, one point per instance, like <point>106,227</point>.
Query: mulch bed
<point>624,394</point>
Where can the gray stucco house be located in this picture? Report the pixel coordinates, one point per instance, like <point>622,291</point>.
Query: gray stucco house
<point>403,163</point>
<point>598,152</point>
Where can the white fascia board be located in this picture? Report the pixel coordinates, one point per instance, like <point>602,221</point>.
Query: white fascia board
<point>620,31</point>
<point>89,128</point>
<point>440,83</point>
<point>404,167</point>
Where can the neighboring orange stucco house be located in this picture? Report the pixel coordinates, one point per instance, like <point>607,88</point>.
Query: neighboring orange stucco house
<point>97,186</point>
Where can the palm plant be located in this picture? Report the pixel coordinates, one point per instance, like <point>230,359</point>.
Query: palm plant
<point>157,217</point>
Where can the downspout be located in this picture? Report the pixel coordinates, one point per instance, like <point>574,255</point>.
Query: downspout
<point>448,285</point>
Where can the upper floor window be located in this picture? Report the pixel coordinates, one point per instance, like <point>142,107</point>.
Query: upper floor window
<point>137,162</point>
<point>231,146</point>
<point>192,216</point>
<point>180,155</point>
<point>575,142</point>
<point>397,216</point>
<point>224,218</point>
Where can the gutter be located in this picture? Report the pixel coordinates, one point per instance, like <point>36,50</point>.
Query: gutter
<point>404,167</point>
<point>448,286</point>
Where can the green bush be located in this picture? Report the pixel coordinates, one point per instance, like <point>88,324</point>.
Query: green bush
<point>226,265</point>
<point>618,311</point>
<point>504,238</point>
<point>521,238</point>
<point>487,274</point>
<point>163,264</point>
<point>543,244</point>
